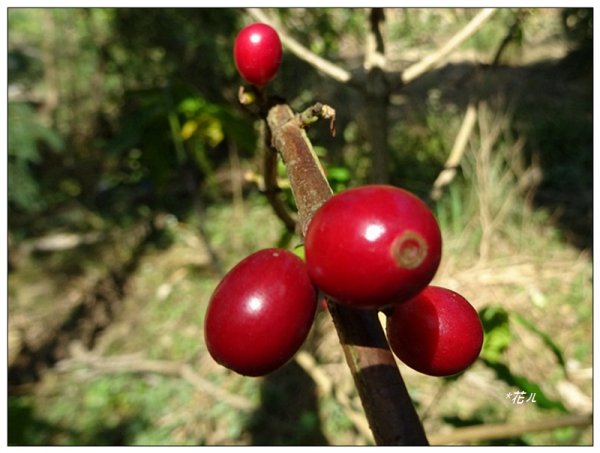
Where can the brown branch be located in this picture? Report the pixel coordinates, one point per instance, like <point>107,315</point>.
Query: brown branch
<point>271,188</point>
<point>312,114</point>
<point>458,149</point>
<point>503,431</point>
<point>375,45</point>
<point>321,64</point>
<point>435,58</point>
<point>377,98</point>
<point>387,404</point>
<point>307,178</point>
<point>511,35</point>
<point>388,407</point>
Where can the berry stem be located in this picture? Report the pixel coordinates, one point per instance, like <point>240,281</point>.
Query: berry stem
<point>387,404</point>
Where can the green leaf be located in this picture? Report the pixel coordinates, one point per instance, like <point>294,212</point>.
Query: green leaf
<point>522,383</point>
<point>299,252</point>
<point>191,106</point>
<point>497,335</point>
<point>339,174</point>
<point>496,326</point>
<point>545,338</point>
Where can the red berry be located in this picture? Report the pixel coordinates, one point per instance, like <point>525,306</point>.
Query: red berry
<point>261,312</point>
<point>436,333</point>
<point>257,53</point>
<point>373,245</point>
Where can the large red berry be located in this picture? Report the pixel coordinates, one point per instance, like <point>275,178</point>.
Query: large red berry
<point>257,53</point>
<point>436,333</point>
<point>261,312</point>
<point>373,245</point>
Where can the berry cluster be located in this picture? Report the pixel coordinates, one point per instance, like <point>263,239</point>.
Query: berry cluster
<point>374,247</point>
<point>379,247</point>
<point>371,247</point>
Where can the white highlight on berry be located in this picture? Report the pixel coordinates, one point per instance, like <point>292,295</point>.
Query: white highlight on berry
<point>374,232</point>
<point>255,304</point>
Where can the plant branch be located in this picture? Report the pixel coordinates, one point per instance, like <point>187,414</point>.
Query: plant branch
<point>271,188</point>
<point>385,399</point>
<point>307,178</point>
<point>375,45</point>
<point>136,364</point>
<point>435,58</point>
<point>377,98</point>
<point>458,149</point>
<point>326,386</point>
<point>502,431</point>
<point>512,35</point>
<point>387,404</point>
<point>321,64</point>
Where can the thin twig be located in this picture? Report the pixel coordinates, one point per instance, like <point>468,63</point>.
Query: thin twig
<point>375,44</point>
<point>321,64</point>
<point>435,58</point>
<point>377,98</point>
<point>502,431</point>
<point>271,188</point>
<point>326,386</point>
<point>511,35</point>
<point>312,114</point>
<point>458,149</point>
<point>134,363</point>
<point>236,190</point>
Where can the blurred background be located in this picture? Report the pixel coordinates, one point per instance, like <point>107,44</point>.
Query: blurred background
<point>134,183</point>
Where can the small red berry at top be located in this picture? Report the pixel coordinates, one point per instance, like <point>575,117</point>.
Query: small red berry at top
<point>257,53</point>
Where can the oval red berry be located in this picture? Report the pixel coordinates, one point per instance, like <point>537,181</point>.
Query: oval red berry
<point>438,332</point>
<point>373,245</point>
<point>257,53</point>
<point>261,312</point>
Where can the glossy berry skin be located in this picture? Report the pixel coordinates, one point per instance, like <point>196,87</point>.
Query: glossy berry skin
<point>260,313</point>
<point>257,53</point>
<point>373,245</point>
<point>436,333</point>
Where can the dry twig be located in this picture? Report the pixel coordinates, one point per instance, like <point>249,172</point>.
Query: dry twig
<point>326,386</point>
<point>135,363</point>
<point>458,149</point>
<point>502,431</point>
<point>271,187</point>
<point>430,61</point>
<point>319,63</point>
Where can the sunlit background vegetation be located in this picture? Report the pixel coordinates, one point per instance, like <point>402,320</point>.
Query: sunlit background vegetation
<point>134,183</point>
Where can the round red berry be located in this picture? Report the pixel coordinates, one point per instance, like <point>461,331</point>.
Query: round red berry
<point>438,332</point>
<point>260,313</point>
<point>257,53</point>
<point>373,245</point>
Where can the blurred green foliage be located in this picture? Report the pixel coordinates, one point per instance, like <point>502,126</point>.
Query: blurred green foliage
<point>120,89</point>
<point>26,136</point>
<point>497,338</point>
